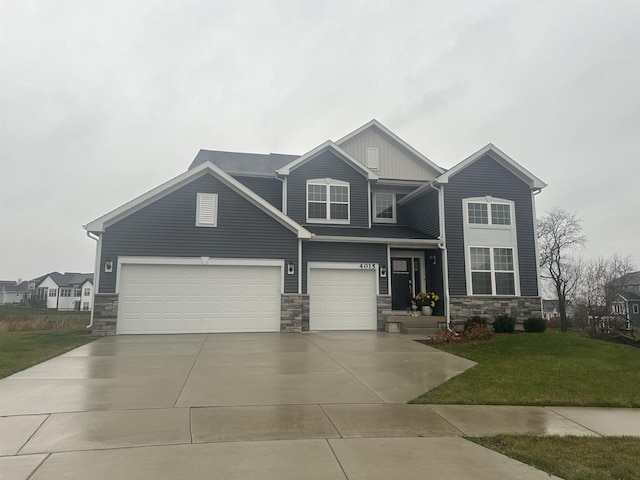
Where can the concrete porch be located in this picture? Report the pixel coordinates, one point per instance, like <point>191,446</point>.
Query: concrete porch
<point>421,325</point>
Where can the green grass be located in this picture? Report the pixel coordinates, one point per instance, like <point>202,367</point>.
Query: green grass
<point>20,318</point>
<point>543,369</point>
<point>573,458</point>
<point>20,350</point>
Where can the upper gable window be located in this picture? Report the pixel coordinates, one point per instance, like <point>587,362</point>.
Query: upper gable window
<point>384,207</point>
<point>373,158</point>
<point>207,210</point>
<point>490,212</point>
<point>327,201</point>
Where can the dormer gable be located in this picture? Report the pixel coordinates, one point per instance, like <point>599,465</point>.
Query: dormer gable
<point>382,151</point>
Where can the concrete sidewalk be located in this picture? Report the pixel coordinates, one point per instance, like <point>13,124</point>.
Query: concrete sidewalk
<point>281,441</point>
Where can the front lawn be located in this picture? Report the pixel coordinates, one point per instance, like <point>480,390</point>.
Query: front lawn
<point>548,368</point>
<point>572,458</point>
<point>20,350</point>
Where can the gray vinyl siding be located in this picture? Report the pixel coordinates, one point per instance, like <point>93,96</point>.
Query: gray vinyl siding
<point>344,252</point>
<point>327,165</point>
<point>268,188</point>
<point>423,214</point>
<point>488,177</point>
<point>435,281</point>
<point>166,228</point>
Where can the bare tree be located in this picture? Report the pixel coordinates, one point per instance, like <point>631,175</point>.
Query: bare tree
<point>602,281</point>
<point>560,235</point>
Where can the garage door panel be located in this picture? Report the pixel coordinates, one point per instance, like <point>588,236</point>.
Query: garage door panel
<point>342,299</point>
<point>212,298</point>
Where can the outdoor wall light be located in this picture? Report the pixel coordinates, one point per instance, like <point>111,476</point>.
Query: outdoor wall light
<point>291,268</point>
<point>383,272</point>
<point>108,265</point>
<point>433,259</point>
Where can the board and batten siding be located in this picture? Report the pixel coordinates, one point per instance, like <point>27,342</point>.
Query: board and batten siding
<point>395,162</point>
<point>166,228</point>
<point>268,188</point>
<point>344,252</point>
<point>327,165</point>
<point>487,177</point>
<point>423,214</point>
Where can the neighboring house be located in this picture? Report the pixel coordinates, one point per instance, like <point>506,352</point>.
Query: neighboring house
<point>63,291</point>
<point>334,239</point>
<point>12,292</point>
<point>627,301</point>
<point>550,309</point>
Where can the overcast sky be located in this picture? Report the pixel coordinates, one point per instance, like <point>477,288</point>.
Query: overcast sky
<point>102,101</point>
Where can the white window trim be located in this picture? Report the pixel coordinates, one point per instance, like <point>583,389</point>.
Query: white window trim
<point>214,196</point>
<point>394,219</point>
<point>493,271</point>
<point>328,183</point>
<point>488,201</point>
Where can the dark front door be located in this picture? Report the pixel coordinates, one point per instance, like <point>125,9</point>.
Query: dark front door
<point>400,283</point>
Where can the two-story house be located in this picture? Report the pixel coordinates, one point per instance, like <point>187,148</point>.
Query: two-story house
<point>64,291</point>
<point>334,239</point>
<point>627,300</point>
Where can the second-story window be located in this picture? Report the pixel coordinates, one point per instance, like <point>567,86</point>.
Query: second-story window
<point>327,201</point>
<point>384,207</point>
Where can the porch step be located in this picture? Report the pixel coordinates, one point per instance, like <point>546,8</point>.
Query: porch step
<point>422,325</point>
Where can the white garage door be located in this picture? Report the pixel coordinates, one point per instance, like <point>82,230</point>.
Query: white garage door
<point>198,299</point>
<point>342,299</point>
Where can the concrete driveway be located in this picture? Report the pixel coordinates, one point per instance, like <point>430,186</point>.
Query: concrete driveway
<point>317,405</point>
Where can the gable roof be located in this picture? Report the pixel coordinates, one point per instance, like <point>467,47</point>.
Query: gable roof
<point>505,160</point>
<point>99,224</point>
<point>384,130</point>
<point>67,279</point>
<point>629,296</point>
<point>17,287</point>
<point>236,163</point>
<point>336,150</point>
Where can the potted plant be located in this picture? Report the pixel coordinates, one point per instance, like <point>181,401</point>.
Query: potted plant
<point>426,301</point>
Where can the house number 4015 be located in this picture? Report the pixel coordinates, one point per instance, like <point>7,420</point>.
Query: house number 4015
<point>368,266</point>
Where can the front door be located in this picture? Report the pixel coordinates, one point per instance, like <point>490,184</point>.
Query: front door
<point>401,274</point>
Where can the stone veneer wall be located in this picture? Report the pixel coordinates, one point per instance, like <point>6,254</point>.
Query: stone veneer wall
<point>105,314</point>
<point>294,312</point>
<point>384,309</point>
<point>521,308</point>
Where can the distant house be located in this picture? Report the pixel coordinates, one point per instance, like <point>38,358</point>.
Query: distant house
<point>627,300</point>
<point>550,309</point>
<point>63,291</point>
<point>12,292</point>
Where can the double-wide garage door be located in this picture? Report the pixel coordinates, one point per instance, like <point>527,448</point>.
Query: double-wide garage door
<point>342,299</point>
<point>199,298</point>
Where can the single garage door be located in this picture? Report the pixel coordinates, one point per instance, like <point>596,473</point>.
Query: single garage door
<point>341,299</point>
<point>198,299</point>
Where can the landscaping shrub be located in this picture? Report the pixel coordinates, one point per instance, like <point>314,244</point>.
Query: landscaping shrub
<point>444,337</point>
<point>535,325</point>
<point>474,320</point>
<point>554,322</point>
<point>477,333</point>
<point>504,323</point>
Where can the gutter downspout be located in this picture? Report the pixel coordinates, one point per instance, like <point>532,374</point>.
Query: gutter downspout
<point>442,245</point>
<point>284,192</point>
<point>96,274</point>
